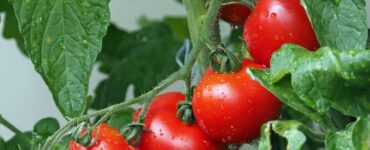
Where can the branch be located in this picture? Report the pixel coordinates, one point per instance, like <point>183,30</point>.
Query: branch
<point>15,130</point>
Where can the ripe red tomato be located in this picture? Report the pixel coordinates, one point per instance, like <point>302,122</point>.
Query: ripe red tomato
<point>235,14</point>
<point>167,132</point>
<point>108,139</point>
<point>274,23</point>
<point>231,107</point>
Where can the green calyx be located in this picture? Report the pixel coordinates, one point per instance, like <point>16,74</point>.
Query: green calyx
<point>82,134</point>
<point>185,112</point>
<point>224,61</point>
<point>132,133</point>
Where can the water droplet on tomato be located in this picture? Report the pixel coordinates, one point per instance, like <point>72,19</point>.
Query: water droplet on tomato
<point>273,16</point>
<point>206,142</point>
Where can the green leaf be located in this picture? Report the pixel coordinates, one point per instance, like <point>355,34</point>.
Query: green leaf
<point>11,29</point>
<point>17,143</point>
<point>142,58</point>
<point>341,140</point>
<point>178,25</point>
<point>2,143</point>
<point>4,5</point>
<point>368,39</point>
<point>42,130</point>
<point>64,38</point>
<point>118,120</point>
<point>339,24</point>
<point>292,130</point>
<point>361,134</point>
<point>46,127</point>
<point>110,54</point>
<point>284,91</point>
<point>326,78</point>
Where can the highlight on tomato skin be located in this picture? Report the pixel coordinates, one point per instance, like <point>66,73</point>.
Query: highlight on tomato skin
<point>235,14</point>
<point>108,139</point>
<point>231,107</point>
<point>274,23</point>
<point>167,132</point>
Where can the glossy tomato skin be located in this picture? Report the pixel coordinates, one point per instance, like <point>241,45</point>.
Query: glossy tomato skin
<point>231,107</point>
<point>274,23</point>
<point>235,14</point>
<point>167,132</point>
<point>108,139</point>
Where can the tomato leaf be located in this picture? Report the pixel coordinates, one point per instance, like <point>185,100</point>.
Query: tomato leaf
<point>368,39</point>
<point>64,39</point>
<point>142,58</point>
<point>338,24</point>
<point>341,140</point>
<point>284,91</point>
<point>292,130</point>
<point>2,143</point>
<point>178,25</point>
<point>11,30</point>
<point>118,120</point>
<point>17,143</point>
<point>42,130</point>
<point>361,134</point>
<point>326,78</point>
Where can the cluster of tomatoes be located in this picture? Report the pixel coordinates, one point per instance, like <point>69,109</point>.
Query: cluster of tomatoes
<point>229,108</point>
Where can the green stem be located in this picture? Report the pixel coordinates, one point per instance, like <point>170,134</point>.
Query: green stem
<point>15,130</point>
<point>144,110</point>
<point>196,9</point>
<point>211,24</point>
<point>203,27</point>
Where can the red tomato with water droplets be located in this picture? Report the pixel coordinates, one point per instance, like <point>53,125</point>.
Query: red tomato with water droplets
<point>232,107</point>
<point>235,14</point>
<point>167,132</point>
<point>108,139</point>
<point>274,23</point>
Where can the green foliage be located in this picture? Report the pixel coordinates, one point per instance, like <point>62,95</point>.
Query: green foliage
<point>361,134</point>
<point>340,140</point>
<point>141,58</point>
<point>291,130</point>
<point>42,130</point>
<point>326,78</point>
<point>11,30</point>
<point>338,24</point>
<point>64,39</point>
<point>284,91</point>
<point>368,39</point>
<point>178,25</point>
<point>2,143</point>
<point>18,143</point>
<point>120,119</point>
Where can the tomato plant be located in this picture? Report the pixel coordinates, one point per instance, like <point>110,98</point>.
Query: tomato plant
<point>274,23</point>
<point>235,14</point>
<point>307,87</point>
<point>166,131</point>
<point>231,107</point>
<point>108,138</point>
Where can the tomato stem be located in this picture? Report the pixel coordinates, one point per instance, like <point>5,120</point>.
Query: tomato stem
<point>15,130</point>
